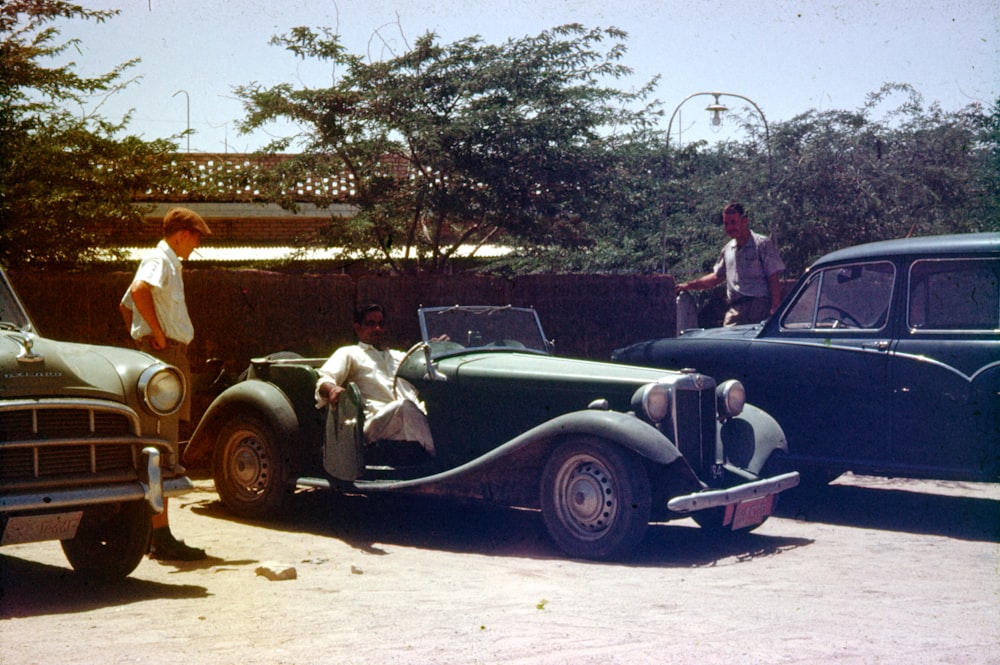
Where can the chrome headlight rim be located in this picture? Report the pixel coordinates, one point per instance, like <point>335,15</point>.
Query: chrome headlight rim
<point>730,398</point>
<point>162,389</point>
<point>653,401</point>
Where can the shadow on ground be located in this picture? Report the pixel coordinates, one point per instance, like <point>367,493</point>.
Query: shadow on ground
<point>369,524</point>
<point>30,589</point>
<point>961,517</point>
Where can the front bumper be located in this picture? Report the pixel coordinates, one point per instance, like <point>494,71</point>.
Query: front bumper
<point>150,488</point>
<point>758,489</point>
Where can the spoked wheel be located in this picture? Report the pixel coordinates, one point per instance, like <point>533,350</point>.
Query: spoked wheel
<point>595,499</point>
<point>249,468</point>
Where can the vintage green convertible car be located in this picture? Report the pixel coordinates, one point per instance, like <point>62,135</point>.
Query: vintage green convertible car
<point>88,444</point>
<point>600,449</point>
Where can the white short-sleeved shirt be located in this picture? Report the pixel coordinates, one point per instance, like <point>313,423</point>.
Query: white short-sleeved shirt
<point>161,269</point>
<point>746,269</point>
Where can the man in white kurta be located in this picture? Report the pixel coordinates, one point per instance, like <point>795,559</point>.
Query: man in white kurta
<point>392,413</point>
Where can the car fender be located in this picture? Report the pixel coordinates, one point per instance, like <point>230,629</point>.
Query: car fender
<point>749,439</point>
<point>253,396</point>
<point>623,429</point>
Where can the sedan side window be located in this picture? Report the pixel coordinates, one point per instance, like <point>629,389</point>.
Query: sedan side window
<point>854,296</point>
<point>956,294</point>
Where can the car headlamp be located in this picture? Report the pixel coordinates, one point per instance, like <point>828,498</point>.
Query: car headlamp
<point>652,400</point>
<point>730,397</point>
<point>161,388</point>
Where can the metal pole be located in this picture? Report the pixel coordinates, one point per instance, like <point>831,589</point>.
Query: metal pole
<point>767,144</point>
<point>187,99</point>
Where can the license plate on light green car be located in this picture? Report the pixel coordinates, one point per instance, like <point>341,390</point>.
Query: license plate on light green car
<point>33,528</point>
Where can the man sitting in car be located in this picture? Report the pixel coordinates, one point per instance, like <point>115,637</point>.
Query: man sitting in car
<point>393,411</point>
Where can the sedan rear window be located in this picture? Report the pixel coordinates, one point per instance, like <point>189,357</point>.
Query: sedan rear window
<point>954,294</point>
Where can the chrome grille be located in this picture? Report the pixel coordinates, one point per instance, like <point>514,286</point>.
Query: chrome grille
<point>694,423</point>
<point>72,441</point>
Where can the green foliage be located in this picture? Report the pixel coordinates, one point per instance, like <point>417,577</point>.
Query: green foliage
<point>66,178</point>
<point>841,178</point>
<point>465,143</point>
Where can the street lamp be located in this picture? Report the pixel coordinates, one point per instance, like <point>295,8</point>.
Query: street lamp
<point>187,98</point>
<point>716,108</point>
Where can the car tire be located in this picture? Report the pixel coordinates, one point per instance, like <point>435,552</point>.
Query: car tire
<point>249,468</point>
<point>110,544</point>
<point>595,499</point>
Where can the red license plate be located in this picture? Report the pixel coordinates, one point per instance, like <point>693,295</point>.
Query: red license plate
<point>748,513</point>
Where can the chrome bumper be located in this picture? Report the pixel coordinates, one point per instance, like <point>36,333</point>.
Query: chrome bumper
<point>689,503</point>
<point>150,488</point>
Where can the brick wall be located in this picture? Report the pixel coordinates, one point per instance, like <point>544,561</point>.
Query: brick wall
<point>240,314</point>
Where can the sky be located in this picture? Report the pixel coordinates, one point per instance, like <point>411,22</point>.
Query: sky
<point>787,56</point>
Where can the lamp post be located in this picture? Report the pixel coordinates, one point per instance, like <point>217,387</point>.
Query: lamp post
<point>187,132</point>
<point>716,108</point>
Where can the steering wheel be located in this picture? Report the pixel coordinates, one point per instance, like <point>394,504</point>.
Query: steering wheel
<point>406,356</point>
<point>842,317</point>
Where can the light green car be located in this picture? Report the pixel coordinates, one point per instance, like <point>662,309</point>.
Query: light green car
<point>88,444</point>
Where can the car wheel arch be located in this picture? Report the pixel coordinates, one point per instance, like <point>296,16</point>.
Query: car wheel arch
<point>765,435</point>
<point>249,397</point>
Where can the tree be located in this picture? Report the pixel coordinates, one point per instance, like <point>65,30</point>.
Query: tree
<point>459,144</point>
<point>66,179</point>
<point>840,178</point>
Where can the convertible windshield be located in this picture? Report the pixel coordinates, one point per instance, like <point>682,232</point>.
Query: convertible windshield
<point>450,329</point>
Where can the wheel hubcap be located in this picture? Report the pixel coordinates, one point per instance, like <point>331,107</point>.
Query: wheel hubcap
<point>250,465</point>
<point>586,495</point>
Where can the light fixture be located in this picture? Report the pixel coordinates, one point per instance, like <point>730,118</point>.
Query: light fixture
<point>716,109</point>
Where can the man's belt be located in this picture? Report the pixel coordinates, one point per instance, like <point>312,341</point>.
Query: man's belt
<point>736,302</point>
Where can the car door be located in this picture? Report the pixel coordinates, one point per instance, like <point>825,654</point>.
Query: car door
<point>945,369</point>
<point>824,366</point>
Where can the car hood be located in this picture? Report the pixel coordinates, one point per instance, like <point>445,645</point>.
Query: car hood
<point>59,369</point>
<point>527,372</point>
<point>708,350</point>
<point>748,331</point>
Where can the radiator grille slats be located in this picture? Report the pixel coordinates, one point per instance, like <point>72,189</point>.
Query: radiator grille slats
<point>64,442</point>
<point>694,425</point>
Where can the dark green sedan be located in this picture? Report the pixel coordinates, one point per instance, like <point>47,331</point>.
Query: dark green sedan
<point>600,449</point>
<point>884,359</point>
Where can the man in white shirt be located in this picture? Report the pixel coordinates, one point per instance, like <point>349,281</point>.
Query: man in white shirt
<point>392,413</point>
<point>155,312</point>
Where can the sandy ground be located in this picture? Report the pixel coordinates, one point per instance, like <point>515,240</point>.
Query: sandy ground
<point>866,571</point>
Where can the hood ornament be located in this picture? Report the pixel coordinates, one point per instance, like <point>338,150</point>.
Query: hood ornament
<point>27,355</point>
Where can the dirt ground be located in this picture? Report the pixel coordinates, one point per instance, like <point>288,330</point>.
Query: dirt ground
<point>868,570</point>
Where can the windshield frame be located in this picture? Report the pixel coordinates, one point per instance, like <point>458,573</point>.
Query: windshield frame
<point>510,329</point>
<point>13,313</point>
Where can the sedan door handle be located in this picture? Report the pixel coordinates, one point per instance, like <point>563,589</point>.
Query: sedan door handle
<point>880,345</point>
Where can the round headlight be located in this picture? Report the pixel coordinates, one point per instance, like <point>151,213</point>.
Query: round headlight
<point>653,400</point>
<point>730,397</point>
<point>161,388</point>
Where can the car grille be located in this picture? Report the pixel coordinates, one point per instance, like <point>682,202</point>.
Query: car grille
<point>694,423</point>
<point>75,443</point>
